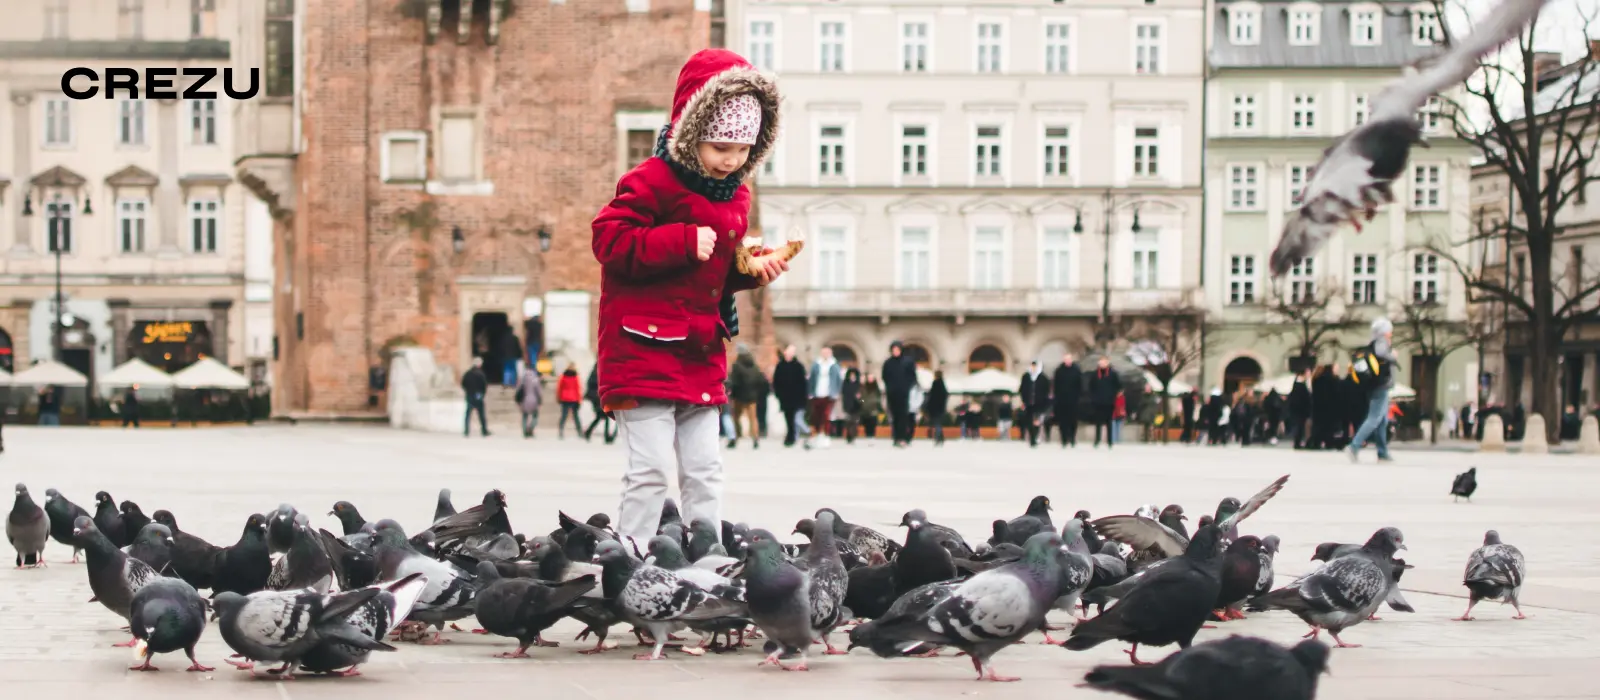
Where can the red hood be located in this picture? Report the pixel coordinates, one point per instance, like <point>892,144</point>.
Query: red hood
<point>709,78</point>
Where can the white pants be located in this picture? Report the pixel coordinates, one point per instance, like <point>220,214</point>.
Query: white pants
<point>657,436</point>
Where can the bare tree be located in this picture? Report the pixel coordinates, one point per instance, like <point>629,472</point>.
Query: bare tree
<point>1546,161</point>
<point>1308,320</point>
<point>1431,336</point>
<point>1167,340</point>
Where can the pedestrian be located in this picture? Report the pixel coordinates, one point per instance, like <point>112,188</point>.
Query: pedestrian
<point>1002,418</point>
<point>934,405</point>
<point>871,405</point>
<point>899,377</point>
<point>1449,424</point>
<point>532,335</point>
<point>822,389</point>
<point>1103,387</point>
<point>130,406</point>
<point>475,384</point>
<point>661,247</point>
<point>1068,386</point>
<point>1469,415</point>
<point>746,386</point>
<point>1186,405</point>
<point>1299,408</point>
<point>570,394</point>
<point>591,393</point>
<point>511,358</point>
<point>530,394</point>
<point>1119,413</point>
<point>1032,387</point>
<point>850,404</point>
<point>1374,364</point>
<point>789,383</point>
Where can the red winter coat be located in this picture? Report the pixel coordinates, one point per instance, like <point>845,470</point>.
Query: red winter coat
<point>568,390</point>
<point>660,335</point>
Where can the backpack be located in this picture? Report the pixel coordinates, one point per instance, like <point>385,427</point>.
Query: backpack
<point>1366,368</point>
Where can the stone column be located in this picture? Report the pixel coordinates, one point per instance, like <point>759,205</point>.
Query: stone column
<point>1533,440</point>
<point>1494,434</point>
<point>22,160</point>
<point>121,323</point>
<point>219,329</point>
<point>1589,437</point>
<point>169,211</point>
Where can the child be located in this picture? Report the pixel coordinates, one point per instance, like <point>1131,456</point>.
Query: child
<point>666,247</point>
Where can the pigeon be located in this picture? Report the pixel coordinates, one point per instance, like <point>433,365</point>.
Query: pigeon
<point>1090,537</point>
<point>305,564</point>
<point>63,513</point>
<point>443,508</point>
<point>985,613</point>
<point>1144,534</point>
<point>848,553</point>
<point>783,597</point>
<point>244,567</point>
<point>133,520</point>
<point>666,553</point>
<point>284,625</point>
<point>352,567</point>
<point>475,525</point>
<point>915,604</point>
<point>946,537</point>
<point>280,528</point>
<point>863,539</point>
<point>1345,591</point>
<point>1241,576</point>
<point>193,559</point>
<point>921,561</point>
<point>27,529</point>
<point>1152,539</point>
<point>153,546</point>
<point>1355,174</point>
<point>1396,600</point>
<point>450,591</point>
<point>1166,605</point>
<point>669,514</point>
<point>1269,550</point>
<point>374,619</point>
<point>702,537</point>
<point>554,565</point>
<point>829,583</point>
<point>870,589</point>
<point>1236,668</point>
<point>1077,569</point>
<point>113,576</point>
<point>1035,520</point>
<point>1465,484</point>
<point>349,518</point>
<point>523,608</point>
<point>167,615</point>
<point>1495,571</point>
<point>660,600</point>
<point>108,520</point>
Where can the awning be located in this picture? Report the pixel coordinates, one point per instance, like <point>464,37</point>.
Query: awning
<point>208,373</point>
<point>49,373</point>
<point>137,371</point>
<point>983,381</point>
<point>1178,387</point>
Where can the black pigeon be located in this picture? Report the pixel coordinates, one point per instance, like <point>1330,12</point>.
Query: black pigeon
<point>863,539</point>
<point>63,513</point>
<point>244,567</point>
<point>305,565</point>
<point>27,529</point>
<point>349,518</point>
<point>133,520</point>
<point>474,525</point>
<point>582,538</point>
<point>554,565</point>
<point>153,546</point>
<point>735,537</point>
<point>947,537</point>
<point>280,528</point>
<point>113,576</point>
<point>443,508</point>
<point>1355,174</point>
<point>373,620</point>
<point>353,567</point>
<point>1346,591</point>
<point>285,625</point>
<point>167,615</point>
<point>870,591</point>
<point>1495,571</point>
<point>1144,534</point>
<point>922,560</point>
<point>108,520</point>
<point>915,604</point>
<point>1090,537</point>
<point>1168,604</point>
<point>1465,484</point>
<point>193,559</point>
<point>998,535</point>
<point>1236,668</point>
<point>1241,576</point>
<point>1033,521</point>
<point>669,514</point>
<point>523,608</point>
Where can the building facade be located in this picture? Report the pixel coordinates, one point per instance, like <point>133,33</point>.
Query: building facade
<point>133,199</point>
<point>982,181</point>
<point>1287,78</point>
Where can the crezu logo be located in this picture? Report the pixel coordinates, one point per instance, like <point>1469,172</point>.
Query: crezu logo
<point>172,332</point>
<point>158,83</point>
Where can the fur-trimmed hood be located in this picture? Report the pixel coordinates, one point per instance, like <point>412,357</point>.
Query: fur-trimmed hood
<point>709,78</point>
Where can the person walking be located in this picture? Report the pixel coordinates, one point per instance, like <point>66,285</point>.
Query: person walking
<point>822,385</point>
<point>746,386</point>
<point>570,394</point>
<point>1299,410</point>
<point>591,393</point>
<point>1375,365</point>
<point>934,406</point>
<point>511,358</point>
<point>1103,387</point>
<point>850,404</point>
<point>899,376</point>
<point>1068,385</point>
<point>871,405</point>
<point>530,394</point>
<point>1186,405</point>
<point>130,406</point>
<point>1119,414</point>
<point>789,383</point>
<point>475,384</point>
<point>1033,386</point>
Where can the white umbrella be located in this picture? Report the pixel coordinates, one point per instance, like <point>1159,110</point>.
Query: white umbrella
<point>983,381</point>
<point>207,373</point>
<point>5,378</point>
<point>50,372</point>
<point>1283,384</point>
<point>1178,387</point>
<point>1401,391</point>
<point>137,371</point>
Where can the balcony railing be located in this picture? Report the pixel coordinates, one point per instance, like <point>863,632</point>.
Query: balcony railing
<point>884,303</point>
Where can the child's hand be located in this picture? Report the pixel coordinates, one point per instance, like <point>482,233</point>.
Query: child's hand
<point>768,267</point>
<point>706,244</point>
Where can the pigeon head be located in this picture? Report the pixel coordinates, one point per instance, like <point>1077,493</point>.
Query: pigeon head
<point>495,499</point>
<point>1204,521</point>
<point>131,508</point>
<point>164,517</point>
<point>82,526</point>
<point>1386,541</point>
<point>668,553</point>
<point>226,602</point>
<point>285,513</point>
<point>914,518</point>
<point>1247,543</point>
<point>765,546</point>
<point>341,508</point>
<point>610,551</point>
<point>877,559</point>
<point>1039,506</point>
<point>389,527</point>
<point>1312,655</point>
<point>704,527</point>
<point>1000,529</point>
<point>102,498</point>
<point>1071,532</point>
<point>673,530</point>
<point>829,521</point>
<point>256,522</point>
<point>1082,515</point>
<point>1324,551</point>
<point>805,526</point>
<point>302,521</point>
<point>1174,512</point>
<point>487,572</point>
<point>535,548</point>
<point>1042,546</point>
<point>1491,537</point>
<point>155,533</point>
<point>599,520</point>
<point>1205,543</point>
<point>22,490</point>
<point>1269,544</point>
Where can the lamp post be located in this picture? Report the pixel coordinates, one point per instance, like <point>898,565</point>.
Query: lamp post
<point>1109,206</point>
<point>59,220</point>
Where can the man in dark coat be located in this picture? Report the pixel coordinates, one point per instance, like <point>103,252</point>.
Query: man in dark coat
<point>1035,393</point>
<point>1068,383</point>
<point>1103,387</point>
<point>899,374</point>
<point>1299,410</point>
<point>789,383</point>
<point>475,384</point>
<point>1187,404</point>
<point>1326,411</point>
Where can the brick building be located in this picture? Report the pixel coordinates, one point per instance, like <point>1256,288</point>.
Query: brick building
<point>419,155</point>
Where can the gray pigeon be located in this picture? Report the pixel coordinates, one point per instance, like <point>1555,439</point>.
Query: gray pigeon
<point>987,612</point>
<point>1495,571</point>
<point>522,608</point>
<point>666,553</point>
<point>828,583</point>
<point>1077,569</point>
<point>373,620</point>
<point>306,564</point>
<point>1396,600</point>
<point>1269,550</point>
<point>662,601</point>
<point>63,514</point>
<point>113,576</point>
<point>27,529</point>
<point>167,615</point>
<point>280,528</point>
<point>443,508</point>
<point>864,539</point>
<point>153,546</point>
<point>450,591</point>
<point>1344,592</point>
<point>284,625</point>
<point>1236,668</point>
<point>785,600</point>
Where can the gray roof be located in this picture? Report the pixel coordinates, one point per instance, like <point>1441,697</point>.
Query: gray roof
<point>1333,50</point>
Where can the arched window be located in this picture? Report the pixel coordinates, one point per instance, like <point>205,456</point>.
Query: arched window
<point>919,355</point>
<point>845,355</point>
<point>986,357</point>
<point>1243,371</point>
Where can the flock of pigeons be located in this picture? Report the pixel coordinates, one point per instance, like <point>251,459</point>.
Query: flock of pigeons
<point>318,602</point>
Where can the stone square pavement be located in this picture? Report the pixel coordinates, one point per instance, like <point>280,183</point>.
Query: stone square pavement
<point>54,644</point>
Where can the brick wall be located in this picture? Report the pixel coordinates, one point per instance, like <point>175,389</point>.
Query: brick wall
<point>373,262</point>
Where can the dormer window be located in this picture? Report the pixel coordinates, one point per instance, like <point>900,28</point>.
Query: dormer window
<point>1366,25</point>
<point>1244,23</point>
<point>1425,27</point>
<point>1304,25</point>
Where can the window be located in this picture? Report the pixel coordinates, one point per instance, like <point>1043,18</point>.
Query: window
<point>278,68</point>
<point>130,19</point>
<point>1520,276</point>
<point>987,157</point>
<point>55,19</point>
<point>1242,279</point>
<point>1057,151</point>
<point>761,44</point>
<point>1146,152</point>
<point>1242,25</point>
<point>1244,113</point>
<point>203,122</point>
<point>1425,30</point>
<point>1364,27</point>
<point>830,151</point>
<point>833,258</point>
<point>458,151</point>
<point>1431,114</point>
<point>1362,110</point>
<point>991,47</point>
<point>1299,175</point>
<point>1364,279</point>
<point>1058,47</point>
<point>1425,278</point>
<point>641,146</point>
<point>1303,24</point>
<point>1303,117</point>
<point>914,151</point>
<point>916,258</point>
<point>1145,245</point>
<point>405,157</point>
<point>1303,281</point>
<point>57,122</point>
<point>130,123</point>
<point>1426,187</point>
<point>202,18</point>
<point>1147,48</point>
<point>1056,259</point>
<point>914,47</point>
<point>131,224</point>
<point>988,258</point>
<point>203,217</point>
<point>830,46</point>
<point>58,225</point>
<point>1244,187</point>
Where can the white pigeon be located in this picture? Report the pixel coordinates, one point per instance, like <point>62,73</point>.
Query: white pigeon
<point>1353,179</point>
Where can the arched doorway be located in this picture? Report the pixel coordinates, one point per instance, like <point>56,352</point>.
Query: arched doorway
<point>7,359</point>
<point>986,357</point>
<point>1243,371</point>
<point>169,345</point>
<point>494,341</point>
<point>845,355</point>
<point>919,355</point>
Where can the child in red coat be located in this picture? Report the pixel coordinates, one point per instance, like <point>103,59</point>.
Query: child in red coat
<point>666,247</point>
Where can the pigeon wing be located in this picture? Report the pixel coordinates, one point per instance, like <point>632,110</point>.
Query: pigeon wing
<point>1347,584</point>
<point>1402,99</point>
<point>1142,534</point>
<point>1254,504</point>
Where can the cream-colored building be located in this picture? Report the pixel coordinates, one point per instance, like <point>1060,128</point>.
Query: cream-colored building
<point>955,170</point>
<point>136,194</point>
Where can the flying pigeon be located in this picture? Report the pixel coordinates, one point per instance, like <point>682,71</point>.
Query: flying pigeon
<point>284,625</point>
<point>374,619</point>
<point>1144,534</point>
<point>167,615</point>
<point>1237,668</point>
<point>1355,174</point>
<point>27,529</point>
<point>1465,484</point>
<point>1495,571</point>
<point>113,576</point>
<point>63,513</point>
<point>1344,592</point>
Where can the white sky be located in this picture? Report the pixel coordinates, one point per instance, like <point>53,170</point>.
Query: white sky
<point>1560,24</point>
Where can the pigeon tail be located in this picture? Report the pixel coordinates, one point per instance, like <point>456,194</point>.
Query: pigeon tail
<point>1301,236</point>
<point>1145,682</point>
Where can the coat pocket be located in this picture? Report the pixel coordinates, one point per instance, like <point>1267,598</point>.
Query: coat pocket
<point>655,330</point>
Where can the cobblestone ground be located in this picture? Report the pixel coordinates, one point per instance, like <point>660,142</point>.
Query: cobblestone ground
<point>54,644</point>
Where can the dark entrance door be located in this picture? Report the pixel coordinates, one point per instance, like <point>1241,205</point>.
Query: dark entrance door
<point>494,341</point>
<point>1241,372</point>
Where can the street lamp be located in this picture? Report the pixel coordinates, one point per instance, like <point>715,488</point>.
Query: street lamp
<point>1108,208</point>
<point>544,239</point>
<point>59,221</point>
<point>458,240</point>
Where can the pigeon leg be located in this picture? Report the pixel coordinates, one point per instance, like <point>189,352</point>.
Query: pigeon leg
<point>194,664</point>
<point>479,630</point>
<point>284,672</point>
<point>1341,643</point>
<point>797,667</point>
<point>929,654</point>
<point>146,665</point>
<point>832,650</point>
<point>772,658</point>
<point>1519,615</point>
<point>987,673</point>
<point>347,673</point>
<point>520,653</point>
<point>538,640</point>
<point>1049,639</point>
<point>456,627</point>
<point>1316,632</point>
<point>1052,628</point>
<point>656,654</point>
<point>598,647</point>
<point>241,665</point>
<point>1374,618</point>
<point>1235,614</point>
<point>128,644</point>
<point>435,641</point>
<point>1133,655</point>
